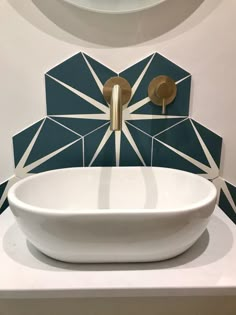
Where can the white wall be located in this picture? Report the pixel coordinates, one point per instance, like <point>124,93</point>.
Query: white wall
<point>196,34</point>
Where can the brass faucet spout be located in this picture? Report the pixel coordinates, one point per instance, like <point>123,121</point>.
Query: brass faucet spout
<point>116,108</point>
<point>117,92</point>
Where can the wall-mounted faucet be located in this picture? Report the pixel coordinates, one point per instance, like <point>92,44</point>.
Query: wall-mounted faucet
<point>116,108</point>
<point>162,91</point>
<point>117,92</point>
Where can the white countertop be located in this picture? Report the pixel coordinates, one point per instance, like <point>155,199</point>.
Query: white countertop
<point>208,268</point>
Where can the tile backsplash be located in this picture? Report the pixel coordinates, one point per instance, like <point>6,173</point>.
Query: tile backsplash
<point>76,131</point>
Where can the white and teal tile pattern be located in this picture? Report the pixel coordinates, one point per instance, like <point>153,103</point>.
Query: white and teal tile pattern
<point>227,197</point>
<point>4,187</point>
<point>4,202</point>
<point>76,131</point>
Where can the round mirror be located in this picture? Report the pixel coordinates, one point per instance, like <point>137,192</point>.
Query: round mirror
<point>115,6</point>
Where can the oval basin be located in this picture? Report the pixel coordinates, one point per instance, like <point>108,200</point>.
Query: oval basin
<point>113,214</point>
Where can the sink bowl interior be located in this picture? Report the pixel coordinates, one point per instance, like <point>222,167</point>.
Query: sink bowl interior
<point>114,188</point>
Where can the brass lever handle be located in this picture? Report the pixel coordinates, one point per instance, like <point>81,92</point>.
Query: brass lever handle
<point>163,107</point>
<point>162,91</point>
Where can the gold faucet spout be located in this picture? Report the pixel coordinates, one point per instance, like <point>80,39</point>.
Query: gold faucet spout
<point>117,92</point>
<point>116,108</point>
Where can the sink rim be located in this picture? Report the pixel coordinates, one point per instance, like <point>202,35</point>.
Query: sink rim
<point>13,199</point>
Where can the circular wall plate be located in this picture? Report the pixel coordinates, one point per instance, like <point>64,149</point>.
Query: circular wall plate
<point>115,6</point>
<point>162,88</point>
<point>125,89</point>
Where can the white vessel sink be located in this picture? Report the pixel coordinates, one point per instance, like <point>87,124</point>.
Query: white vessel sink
<point>120,214</point>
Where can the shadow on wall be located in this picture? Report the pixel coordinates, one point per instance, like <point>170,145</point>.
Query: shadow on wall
<point>71,24</point>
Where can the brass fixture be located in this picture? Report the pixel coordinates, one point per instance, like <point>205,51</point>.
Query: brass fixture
<point>162,91</point>
<point>117,92</point>
<point>116,108</point>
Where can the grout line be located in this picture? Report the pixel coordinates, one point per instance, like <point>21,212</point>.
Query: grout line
<point>127,122</point>
<point>171,126</point>
<point>98,116</point>
<point>87,134</point>
<point>65,126</point>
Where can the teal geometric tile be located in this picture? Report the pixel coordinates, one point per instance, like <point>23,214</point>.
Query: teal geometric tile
<point>179,107</point>
<point>75,73</point>
<point>81,126</point>
<point>211,140</point>
<point>23,139</point>
<point>159,66</point>
<point>5,202</point>
<point>106,156</point>
<point>224,203</point>
<point>72,156</point>
<point>232,190</point>
<point>164,157</point>
<point>154,126</point>
<point>101,71</point>
<point>132,73</point>
<point>51,137</point>
<point>62,101</point>
<point>183,138</point>
<point>128,156</point>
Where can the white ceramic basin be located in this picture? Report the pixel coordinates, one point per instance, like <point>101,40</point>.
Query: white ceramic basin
<point>129,214</point>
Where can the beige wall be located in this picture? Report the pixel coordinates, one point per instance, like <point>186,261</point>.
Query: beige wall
<point>122,306</point>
